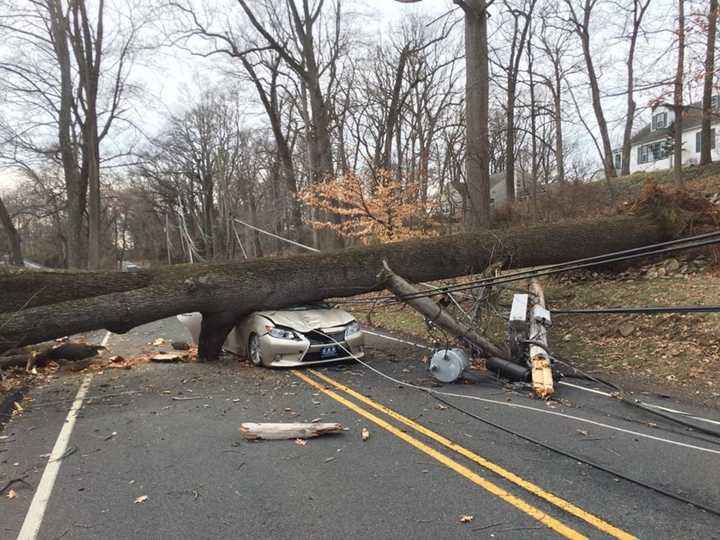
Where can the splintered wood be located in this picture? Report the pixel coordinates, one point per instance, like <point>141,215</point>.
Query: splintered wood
<point>277,431</point>
<point>542,378</point>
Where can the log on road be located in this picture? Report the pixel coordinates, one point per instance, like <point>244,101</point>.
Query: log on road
<point>223,293</point>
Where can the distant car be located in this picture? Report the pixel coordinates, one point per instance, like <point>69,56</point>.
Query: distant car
<point>291,337</point>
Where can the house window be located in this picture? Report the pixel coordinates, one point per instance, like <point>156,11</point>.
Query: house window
<point>658,151</point>
<point>715,102</point>
<point>659,121</point>
<point>698,140</point>
<point>618,161</point>
<point>652,152</point>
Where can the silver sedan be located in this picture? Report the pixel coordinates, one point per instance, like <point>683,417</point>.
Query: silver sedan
<point>291,337</point>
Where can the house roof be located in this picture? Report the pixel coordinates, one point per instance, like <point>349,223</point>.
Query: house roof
<point>692,119</point>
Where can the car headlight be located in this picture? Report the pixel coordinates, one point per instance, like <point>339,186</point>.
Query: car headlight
<point>352,329</point>
<point>281,333</point>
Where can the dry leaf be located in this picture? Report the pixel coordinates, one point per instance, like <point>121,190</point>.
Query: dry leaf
<point>466,519</point>
<point>159,341</point>
<point>18,407</point>
<point>365,434</point>
<point>300,442</point>
<point>11,494</point>
<point>141,499</point>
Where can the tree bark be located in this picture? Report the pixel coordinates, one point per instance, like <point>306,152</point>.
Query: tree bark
<point>76,187</point>
<point>678,102</point>
<point>707,110</point>
<point>477,155</point>
<point>119,302</point>
<point>13,237</point>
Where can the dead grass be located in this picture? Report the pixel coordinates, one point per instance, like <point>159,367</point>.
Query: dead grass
<point>575,201</point>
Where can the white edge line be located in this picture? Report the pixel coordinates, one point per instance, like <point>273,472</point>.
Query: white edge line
<point>36,512</point>
<point>659,407</point>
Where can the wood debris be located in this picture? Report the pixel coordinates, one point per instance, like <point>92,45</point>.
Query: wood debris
<point>294,430</point>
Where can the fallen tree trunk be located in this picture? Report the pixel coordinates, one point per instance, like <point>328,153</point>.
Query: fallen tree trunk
<point>226,292</point>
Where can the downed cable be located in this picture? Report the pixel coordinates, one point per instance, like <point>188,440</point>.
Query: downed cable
<point>621,395</point>
<point>436,394</point>
<point>575,457</point>
<point>640,310</point>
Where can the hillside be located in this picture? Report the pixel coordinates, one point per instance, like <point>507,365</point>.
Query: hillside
<point>673,353</point>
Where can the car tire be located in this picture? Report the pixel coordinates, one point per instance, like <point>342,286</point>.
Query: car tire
<point>254,350</point>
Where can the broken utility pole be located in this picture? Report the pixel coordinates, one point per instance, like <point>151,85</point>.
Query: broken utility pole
<point>542,378</point>
<point>436,315</point>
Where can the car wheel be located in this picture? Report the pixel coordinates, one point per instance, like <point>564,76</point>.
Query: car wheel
<point>254,350</point>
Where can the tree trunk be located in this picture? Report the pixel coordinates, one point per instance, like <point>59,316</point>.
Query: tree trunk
<point>477,155</point>
<point>14,248</point>
<point>582,29</point>
<point>639,9</point>
<point>707,110</point>
<point>678,104</point>
<point>76,188</point>
<point>557,103</point>
<point>510,143</point>
<point>227,292</point>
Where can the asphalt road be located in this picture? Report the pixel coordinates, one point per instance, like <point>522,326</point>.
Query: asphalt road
<point>424,466</point>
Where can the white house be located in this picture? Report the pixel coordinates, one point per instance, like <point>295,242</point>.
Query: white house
<point>652,145</point>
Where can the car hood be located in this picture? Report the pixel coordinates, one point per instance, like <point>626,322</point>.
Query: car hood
<point>310,319</point>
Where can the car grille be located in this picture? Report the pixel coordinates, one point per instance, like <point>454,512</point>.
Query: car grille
<point>316,357</point>
<point>321,338</point>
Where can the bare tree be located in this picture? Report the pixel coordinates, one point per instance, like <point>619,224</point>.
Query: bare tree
<point>306,63</point>
<point>639,8</point>
<point>708,76</point>
<point>580,15</point>
<point>57,66</point>
<point>678,98</point>
<point>13,238</point>
<point>554,44</point>
<point>522,20</point>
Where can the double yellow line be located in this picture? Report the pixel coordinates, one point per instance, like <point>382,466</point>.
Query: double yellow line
<point>464,471</point>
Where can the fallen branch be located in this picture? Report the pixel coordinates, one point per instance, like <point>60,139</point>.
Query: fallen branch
<point>252,431</point>
<point>44,352</point>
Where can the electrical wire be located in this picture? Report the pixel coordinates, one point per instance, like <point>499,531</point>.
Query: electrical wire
<point>580,459</point>
<point>650,310</point>
<point>621,395</point>
<point>435,393</point>
<point>521,406</point>
<point>576,264</point>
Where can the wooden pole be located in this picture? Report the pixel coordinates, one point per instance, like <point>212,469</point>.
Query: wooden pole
<point>539,358</point>
<point>436,314</point>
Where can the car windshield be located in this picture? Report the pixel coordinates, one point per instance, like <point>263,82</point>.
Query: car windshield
<point>306,307</point>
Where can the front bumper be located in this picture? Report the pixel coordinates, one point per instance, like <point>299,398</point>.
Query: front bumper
<point>304,352</point>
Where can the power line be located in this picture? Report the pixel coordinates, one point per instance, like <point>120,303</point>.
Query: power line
<point>641,310</point>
